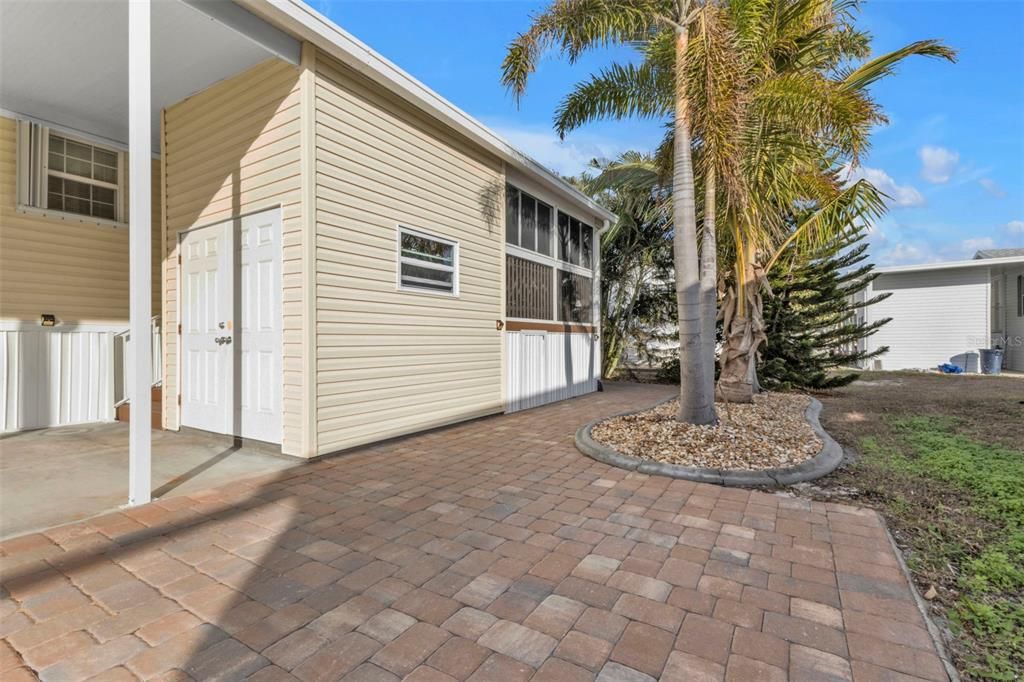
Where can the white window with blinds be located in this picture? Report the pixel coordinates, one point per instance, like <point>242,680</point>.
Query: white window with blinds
<point>67,177</point>
<point>426,263</point>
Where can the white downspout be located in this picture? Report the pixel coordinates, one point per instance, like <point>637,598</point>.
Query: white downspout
<point>140,279</point>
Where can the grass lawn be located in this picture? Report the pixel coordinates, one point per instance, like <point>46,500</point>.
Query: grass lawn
<point>942,457</point>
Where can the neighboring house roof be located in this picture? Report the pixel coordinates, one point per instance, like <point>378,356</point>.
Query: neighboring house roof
<point>975,263</point>
<point>999,253</point>
<point>308,24</point>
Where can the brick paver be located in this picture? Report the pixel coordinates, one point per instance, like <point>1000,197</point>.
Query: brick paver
<point>491,550</point>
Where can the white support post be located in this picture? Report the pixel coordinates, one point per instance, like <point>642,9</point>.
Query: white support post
<point>140,280</point>
<point>596,286</point>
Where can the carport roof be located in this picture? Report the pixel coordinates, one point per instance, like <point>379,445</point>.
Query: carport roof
<point>65,63</point>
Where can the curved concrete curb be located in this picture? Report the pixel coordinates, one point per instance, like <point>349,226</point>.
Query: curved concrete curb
<point>823,463</point>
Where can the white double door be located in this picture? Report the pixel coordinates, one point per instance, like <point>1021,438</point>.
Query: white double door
<point>231,327</point>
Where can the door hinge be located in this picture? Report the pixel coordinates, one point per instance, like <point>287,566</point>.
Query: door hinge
<point>179,400</point>
<point>179,329</point>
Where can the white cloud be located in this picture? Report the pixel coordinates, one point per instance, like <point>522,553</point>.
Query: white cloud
<point>968,247</point>
<point>937,163</point>
<point>992,187</point>
<point>1015,226</point>
<point>895,241</point>
<point>567,157</point>
<point>903,253</point>
<point>899,195</point>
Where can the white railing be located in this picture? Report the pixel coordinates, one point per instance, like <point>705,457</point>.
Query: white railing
<point>123,361</point>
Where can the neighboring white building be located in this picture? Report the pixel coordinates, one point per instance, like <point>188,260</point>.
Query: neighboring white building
<point>946,312</point>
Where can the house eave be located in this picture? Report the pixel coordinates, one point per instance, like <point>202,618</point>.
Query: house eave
<point>306,23</point>
<point>949,265</point>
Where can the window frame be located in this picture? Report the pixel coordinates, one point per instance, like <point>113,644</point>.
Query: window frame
<point>997,310</point>
<point>1020,295</point>
<point>572,222</point>
<point>400,260</point>
<point>33,168</point>
<point>551,295</point>
<point>117,187</point>
<point>551,227</point>
<point>560,308</point>
<point>555,263</point>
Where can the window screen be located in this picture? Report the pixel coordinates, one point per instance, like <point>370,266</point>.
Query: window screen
<point>528,289</point>
<point>575,241</point>
<point>527,221</point>
<point>575,298</point>
<point>512,215</point>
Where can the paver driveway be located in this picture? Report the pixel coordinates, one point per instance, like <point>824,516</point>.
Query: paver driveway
<point>492,550</point>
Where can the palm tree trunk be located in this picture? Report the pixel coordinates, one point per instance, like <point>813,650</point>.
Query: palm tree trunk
<point>744,331</point>
<point>696,404</point>
<point>709,282</point>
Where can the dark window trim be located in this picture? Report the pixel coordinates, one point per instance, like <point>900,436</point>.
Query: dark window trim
<point>572,250</point>
<point>519,196</point>
<point>581,288</point>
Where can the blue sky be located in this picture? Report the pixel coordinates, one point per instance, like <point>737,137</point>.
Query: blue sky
<point>952,156</point>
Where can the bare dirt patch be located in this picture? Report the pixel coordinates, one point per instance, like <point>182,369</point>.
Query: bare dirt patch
<point>986,408</point>
<point>769,433</point>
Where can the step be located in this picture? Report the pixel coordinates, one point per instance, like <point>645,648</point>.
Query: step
<point>123,411</point>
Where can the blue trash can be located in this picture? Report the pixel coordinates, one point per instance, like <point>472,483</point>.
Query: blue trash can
<point>991,360</point>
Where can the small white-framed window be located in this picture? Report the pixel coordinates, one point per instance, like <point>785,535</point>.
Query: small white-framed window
<point>427,263</point>
<point>82,178</point>
<point>70,177</point>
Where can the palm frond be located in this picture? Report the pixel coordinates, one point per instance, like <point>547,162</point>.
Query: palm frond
<point>574,26</point>
<point>619,91</point>
<point>857,203</point>
<point>717,85</point>
<point>886,64</point>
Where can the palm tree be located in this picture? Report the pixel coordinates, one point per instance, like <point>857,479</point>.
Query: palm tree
<point>774,109</point>
<point>807,113</point>
<point>636,261</point>
<point>574,26</point>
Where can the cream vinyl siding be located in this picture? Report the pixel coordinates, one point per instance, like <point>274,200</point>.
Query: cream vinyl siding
<point>234,148</point>
<point>76,270</point>
<point>392,362</point>
<point>936,316</point>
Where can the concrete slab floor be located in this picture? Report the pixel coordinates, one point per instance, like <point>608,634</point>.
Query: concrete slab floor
<point>55,476</point>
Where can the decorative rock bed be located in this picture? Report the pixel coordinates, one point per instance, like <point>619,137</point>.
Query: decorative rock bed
<point>777,440</point>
